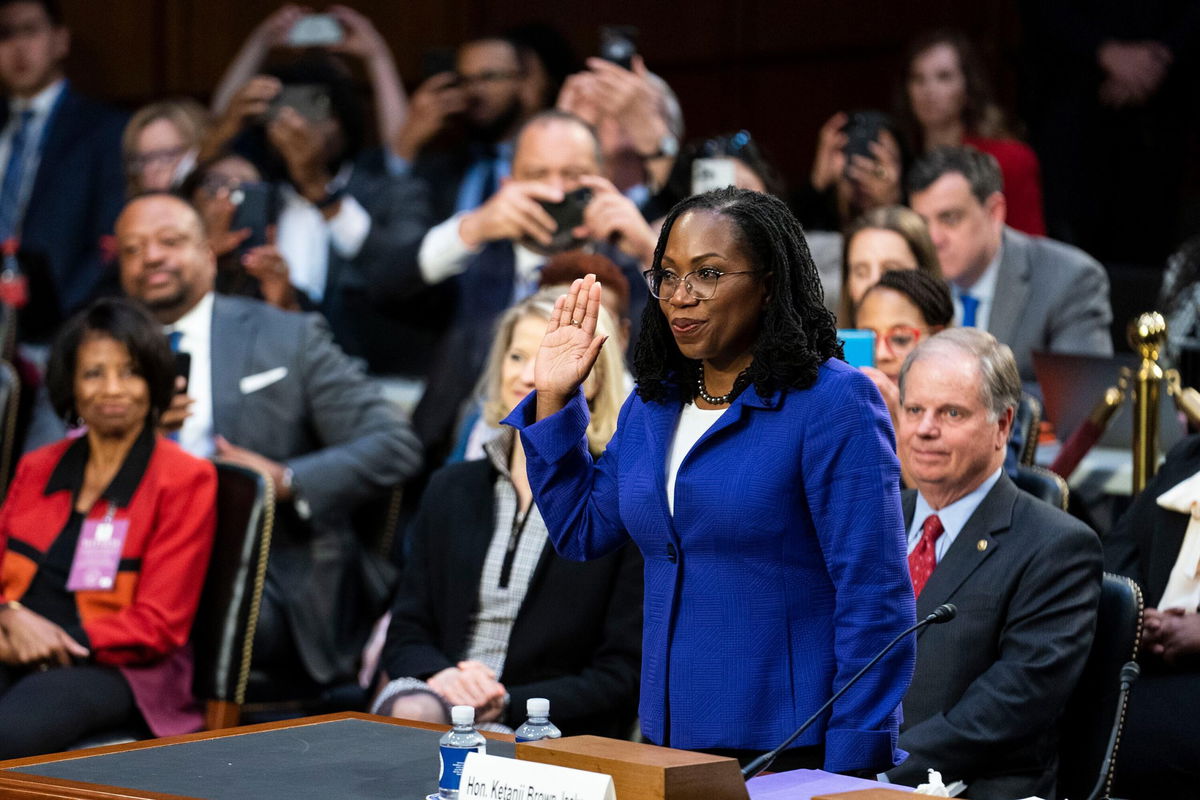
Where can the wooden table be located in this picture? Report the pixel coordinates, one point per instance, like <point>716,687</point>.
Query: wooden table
<point>346,755</point>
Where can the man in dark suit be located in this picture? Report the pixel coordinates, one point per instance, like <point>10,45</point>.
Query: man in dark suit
<point>60,154</point>
<point>1029,292</point>
<point>1157,543</point>
<point>989,687</point>
<point>270,390</point>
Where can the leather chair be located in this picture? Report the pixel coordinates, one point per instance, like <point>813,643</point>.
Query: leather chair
<point>1026,424</point>
<point>223,633</point>
<point>1095,703</point>
<point>1044,485</point>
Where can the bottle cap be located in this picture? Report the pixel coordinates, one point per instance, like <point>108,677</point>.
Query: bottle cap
<point>463,715</point>
<point>537,707</point>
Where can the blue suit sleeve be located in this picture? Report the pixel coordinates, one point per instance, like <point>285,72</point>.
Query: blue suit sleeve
<point>578,498</point>
<point>851,480</point>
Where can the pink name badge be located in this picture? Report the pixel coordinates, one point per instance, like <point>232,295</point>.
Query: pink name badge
<point>97,555</point>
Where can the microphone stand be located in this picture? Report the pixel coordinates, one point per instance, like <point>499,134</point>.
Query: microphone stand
<point>943,613</point>
<point>1129,674</point>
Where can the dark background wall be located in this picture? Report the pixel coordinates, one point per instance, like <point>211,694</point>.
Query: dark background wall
<point>776,67</point>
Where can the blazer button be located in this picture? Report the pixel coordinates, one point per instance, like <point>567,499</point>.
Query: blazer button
<point>672,556</point>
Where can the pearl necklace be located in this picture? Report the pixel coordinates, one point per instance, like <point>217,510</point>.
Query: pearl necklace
<point>708,398</point>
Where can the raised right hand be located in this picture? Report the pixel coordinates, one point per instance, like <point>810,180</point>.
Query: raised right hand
<point>431,105</point>
<point>570,348</point>
<point>830,160</point>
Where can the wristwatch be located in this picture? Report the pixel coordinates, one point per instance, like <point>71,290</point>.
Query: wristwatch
<point>298,501</point>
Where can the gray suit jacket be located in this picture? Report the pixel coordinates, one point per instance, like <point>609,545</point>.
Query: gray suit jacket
<point>1049,296</point>
<point>328,422</point>
<point>990,686</point>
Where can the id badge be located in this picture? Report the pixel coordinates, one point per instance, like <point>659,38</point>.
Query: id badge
<point>97,555</point>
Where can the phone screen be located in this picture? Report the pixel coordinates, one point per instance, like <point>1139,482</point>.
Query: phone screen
<point>315,30</point>
<point>712,173</point>
<point>858,347</point>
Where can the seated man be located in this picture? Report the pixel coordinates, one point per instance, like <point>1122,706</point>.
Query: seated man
<point>268,389</point>
<point>990,686</point>
<point>1157,543</point>
<point>1029,292</point>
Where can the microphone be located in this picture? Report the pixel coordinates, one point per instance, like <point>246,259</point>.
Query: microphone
<point>1129,674</point>
<point>943,613</point>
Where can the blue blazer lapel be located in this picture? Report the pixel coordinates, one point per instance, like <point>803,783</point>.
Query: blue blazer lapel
<point>975,544</point>
<point>230,350</point>
<point>660,420</point>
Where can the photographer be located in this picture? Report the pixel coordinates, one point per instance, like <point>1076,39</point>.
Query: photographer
<point>555,200</point>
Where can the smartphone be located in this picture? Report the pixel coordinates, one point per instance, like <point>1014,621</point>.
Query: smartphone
<point>568,215</point>
<point>183,369</point>
<point>861,130</point>
<point>309,100</point>
<point>437,60</point>
<point>712,173</point>
<point>618,44</point>
<point>253,201</point>
<point>858,347</point>
<point>316,30</point>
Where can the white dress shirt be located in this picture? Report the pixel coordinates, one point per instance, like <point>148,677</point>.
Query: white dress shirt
<point>1183,585</point>
<point>444,254</point>
<point>196,436</point>
<point>983,290</point>
<point>304,236</point>
<point>694,422</point>
<point>41,104</point>
<point>953,516</point>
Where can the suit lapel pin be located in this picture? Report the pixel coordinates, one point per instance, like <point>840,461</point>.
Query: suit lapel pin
<point>981,545</point>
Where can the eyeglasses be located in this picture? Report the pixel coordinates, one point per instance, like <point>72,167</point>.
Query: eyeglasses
<point>164,157</point>
<point>700,284</point>
<point>899,339</point>
<point>491,76</point>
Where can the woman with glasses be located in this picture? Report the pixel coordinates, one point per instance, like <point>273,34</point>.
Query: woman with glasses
<point>903,308</point>
<point>756,472</point>
<point>160,144</point>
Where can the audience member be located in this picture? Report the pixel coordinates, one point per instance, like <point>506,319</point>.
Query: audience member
<point>459,135</point>
<point>270,390</point>
<point>752,170</point>
<point>217,189</point>
<point>61,159</point>
<point>1031,293</point>
<point>340,215</point>
<point>742,500</point>
<point>359,40</point>
<point>161,143</point>
<point>1179,302</point>
<point>86,648</point>
<point>512,638</point>
<point>947,102</point>
<point>547,58</point>
<point>494,252</point>
<point>904,308</point>
<point>990,686</point>
<point>882,240</point>
<point>1157,543</point>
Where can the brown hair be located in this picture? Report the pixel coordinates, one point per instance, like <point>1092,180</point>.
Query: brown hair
<point>897,219</point>
<point>186,114</point>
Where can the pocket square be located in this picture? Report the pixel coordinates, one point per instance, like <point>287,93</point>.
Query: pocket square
<point>261,380</point>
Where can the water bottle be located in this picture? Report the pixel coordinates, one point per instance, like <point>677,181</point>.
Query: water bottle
<point>454,746</point>
<point>538,726</point>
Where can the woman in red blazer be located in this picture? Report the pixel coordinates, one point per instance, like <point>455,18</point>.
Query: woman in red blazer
<point>104,542</point>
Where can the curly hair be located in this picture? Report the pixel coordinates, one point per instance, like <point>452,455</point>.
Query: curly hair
<point>929,293</point>
<point>797,333</point>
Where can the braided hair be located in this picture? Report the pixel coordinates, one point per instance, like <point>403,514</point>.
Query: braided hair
<point>928,293</point>
<point>797,333</point>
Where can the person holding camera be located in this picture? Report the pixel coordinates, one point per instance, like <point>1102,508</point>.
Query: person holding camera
<point>556,200</point>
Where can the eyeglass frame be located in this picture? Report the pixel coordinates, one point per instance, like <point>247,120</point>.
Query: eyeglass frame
<point>887,339</point>
<point>687,286</point>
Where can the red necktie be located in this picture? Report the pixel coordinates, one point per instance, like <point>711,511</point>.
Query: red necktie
<point>923,558</point>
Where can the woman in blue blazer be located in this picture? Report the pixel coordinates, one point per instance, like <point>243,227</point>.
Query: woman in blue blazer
<point>757,473</point>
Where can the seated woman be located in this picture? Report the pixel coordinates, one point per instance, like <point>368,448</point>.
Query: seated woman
<point>903,308</point>
<point>104,542</point>
<point>160,144</point>
<point>881,240</point>
<point>487,614</point>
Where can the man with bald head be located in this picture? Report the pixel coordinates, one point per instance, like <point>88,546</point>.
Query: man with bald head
<point>270,390</point>
<point>494,253</point>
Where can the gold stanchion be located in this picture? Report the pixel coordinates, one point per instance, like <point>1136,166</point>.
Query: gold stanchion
<point>1147,334</point>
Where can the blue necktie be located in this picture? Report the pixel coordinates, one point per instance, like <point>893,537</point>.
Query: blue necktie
<point>970,306</point>
<point>173,339</point>
<point>10,189</point>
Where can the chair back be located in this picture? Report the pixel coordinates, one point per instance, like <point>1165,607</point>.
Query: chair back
<point>10,400</point>
<point>223,633</point>
<point>1026,424</point>
<point>1095,703</point>
<point>1044,485</point>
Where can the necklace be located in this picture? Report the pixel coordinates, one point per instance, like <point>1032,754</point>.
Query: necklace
<point>708,398</point>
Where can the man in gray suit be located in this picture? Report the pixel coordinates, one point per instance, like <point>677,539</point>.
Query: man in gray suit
<point>269,389</point>
<point>989,688</point>
<point>1031,293</point>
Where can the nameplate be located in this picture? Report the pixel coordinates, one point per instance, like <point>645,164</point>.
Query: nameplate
<point>487,777</point>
